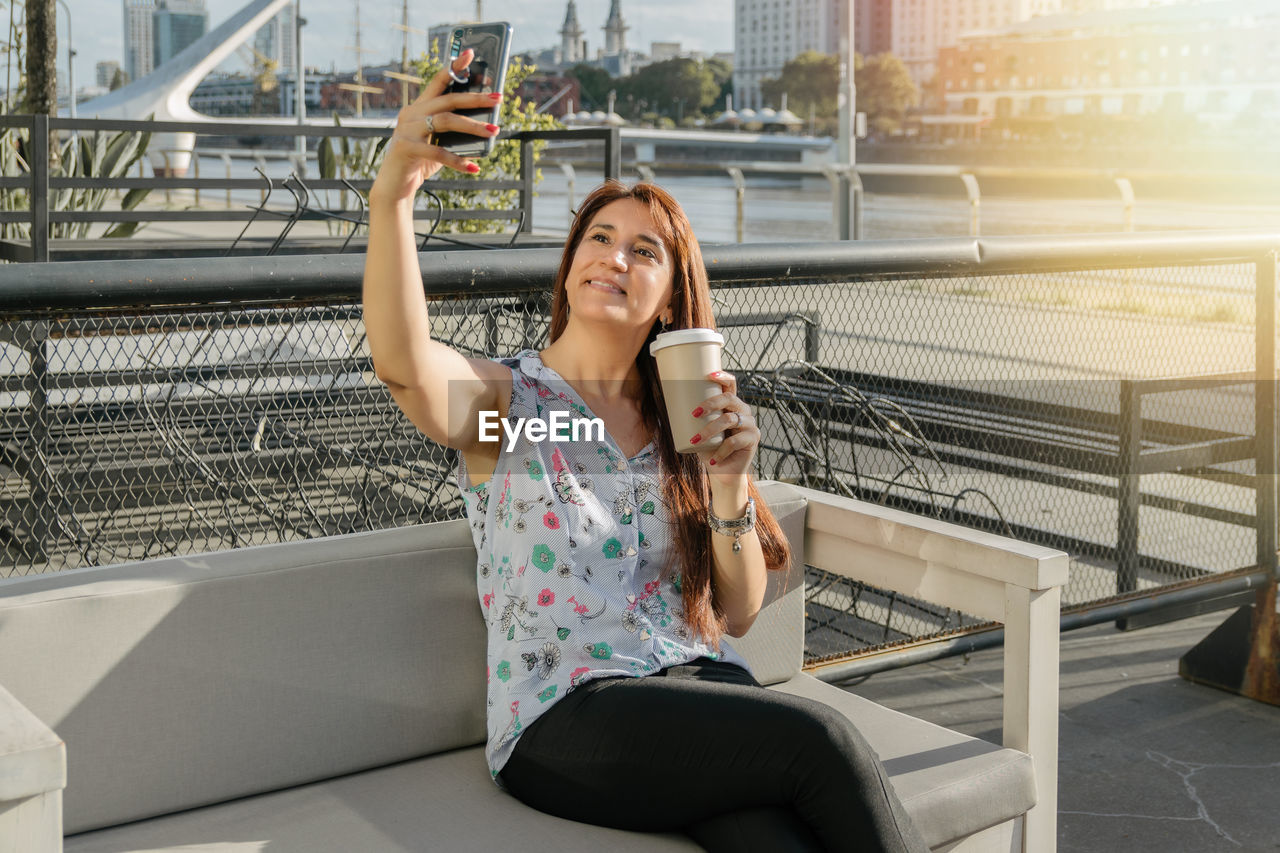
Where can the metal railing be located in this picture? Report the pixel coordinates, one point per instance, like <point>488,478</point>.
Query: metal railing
<point>841,180</point>
<point>39,182</point>
<point>1110,395</point>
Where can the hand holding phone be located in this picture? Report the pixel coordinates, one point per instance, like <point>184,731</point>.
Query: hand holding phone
<point>490,45</point>
<point>441,126</point>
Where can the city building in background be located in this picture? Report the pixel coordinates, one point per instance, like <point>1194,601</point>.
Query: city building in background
<point>615,59</point>
<point>1218,61</point>
<point>921,28</point>
<point>157,30</point>
<point>138,56</point>
<point>104,72</point>
<point>234,94</point>
<point>768,34</point>
<point>873,26</point>
<point>223,94</point>
<point>277,40</point>
<point>661,51</point>
<point>175,24</point>
<point>573,47</point>
<point>1080,6</point>
<point>560,95</point>
<point>385,102</point>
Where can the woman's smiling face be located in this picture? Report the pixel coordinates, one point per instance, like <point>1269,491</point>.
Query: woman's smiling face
<point>621,270</point>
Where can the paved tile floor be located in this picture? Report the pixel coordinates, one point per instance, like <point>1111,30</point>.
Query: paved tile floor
<point>1148,761</point>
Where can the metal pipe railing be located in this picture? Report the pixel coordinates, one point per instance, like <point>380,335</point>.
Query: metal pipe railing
<point>989,638</point>
<point>25,287</point>
<point>840,181</point>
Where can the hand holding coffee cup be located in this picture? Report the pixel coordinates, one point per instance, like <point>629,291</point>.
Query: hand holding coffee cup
<point>702,404</point>
<point>733,430</point>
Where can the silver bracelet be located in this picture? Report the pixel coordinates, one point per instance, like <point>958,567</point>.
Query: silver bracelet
<point>736,527</point>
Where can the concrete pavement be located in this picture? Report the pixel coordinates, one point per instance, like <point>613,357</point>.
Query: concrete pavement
<point>1148,762</point>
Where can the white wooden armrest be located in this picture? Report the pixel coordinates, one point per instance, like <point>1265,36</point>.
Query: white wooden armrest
<point>33,772</point>
<point>993,577</point>
<point>918,545</point>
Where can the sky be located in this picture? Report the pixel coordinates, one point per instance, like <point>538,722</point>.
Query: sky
<point>327,39</point>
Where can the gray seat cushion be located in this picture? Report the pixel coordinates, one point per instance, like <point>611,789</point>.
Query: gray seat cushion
<point>448,802</point>
<point>445,802</point>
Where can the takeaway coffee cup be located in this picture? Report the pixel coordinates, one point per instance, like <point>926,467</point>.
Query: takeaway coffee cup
<point>685,358</point>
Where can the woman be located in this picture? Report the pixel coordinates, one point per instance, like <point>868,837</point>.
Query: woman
<point>603,583</point>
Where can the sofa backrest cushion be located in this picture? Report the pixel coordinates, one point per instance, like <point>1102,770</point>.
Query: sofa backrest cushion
<point>186,681</point>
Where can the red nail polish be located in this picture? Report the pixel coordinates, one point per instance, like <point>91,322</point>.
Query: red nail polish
<point>492,128</point>
<point>695,439</point>
<point>697,413</point>
<point>711,461</point>
<point>495,96</point>
<point>473,168</point>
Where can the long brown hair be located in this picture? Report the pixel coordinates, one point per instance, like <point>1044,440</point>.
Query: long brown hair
<point>684,481</point>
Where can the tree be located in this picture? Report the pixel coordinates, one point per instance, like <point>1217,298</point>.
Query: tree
<point>42,57</point>
<point>118,79</point>
<point>594,83</point>
<point>722,74</point>
<point>884,88</point>
<point>809,80</point>
<point>42,67</point>
<point>885,91</point>
<point>672,87</point>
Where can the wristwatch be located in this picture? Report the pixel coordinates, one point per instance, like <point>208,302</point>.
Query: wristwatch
<point>736,527</point>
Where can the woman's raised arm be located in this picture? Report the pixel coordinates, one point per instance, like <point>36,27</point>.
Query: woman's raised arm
<point>440,390</point>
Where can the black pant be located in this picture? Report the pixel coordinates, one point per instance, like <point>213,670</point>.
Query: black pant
<point>705,749</point>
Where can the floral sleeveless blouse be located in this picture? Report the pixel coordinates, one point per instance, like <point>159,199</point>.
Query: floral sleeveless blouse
<point>574,567</point>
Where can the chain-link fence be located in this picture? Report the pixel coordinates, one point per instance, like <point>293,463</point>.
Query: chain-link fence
<point>1038,406</point>
<point>1106,409</point>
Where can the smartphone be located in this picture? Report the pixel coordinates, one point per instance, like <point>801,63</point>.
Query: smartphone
<point>488,73</point>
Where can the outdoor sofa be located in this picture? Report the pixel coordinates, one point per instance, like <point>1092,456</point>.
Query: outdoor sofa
<point>329,694</point>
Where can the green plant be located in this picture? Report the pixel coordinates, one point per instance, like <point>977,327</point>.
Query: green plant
<point>12,165</point>
<point>100,156</point>
<point>360,158</point>
<point>96,155</point>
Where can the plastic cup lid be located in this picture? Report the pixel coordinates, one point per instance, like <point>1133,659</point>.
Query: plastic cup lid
<point>686,336</point>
